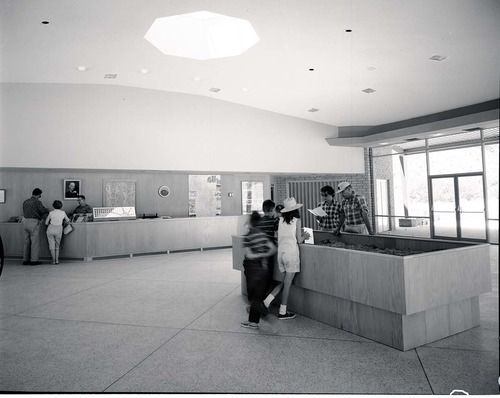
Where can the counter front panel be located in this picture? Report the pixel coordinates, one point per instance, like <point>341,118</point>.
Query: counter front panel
<point>113,238</point>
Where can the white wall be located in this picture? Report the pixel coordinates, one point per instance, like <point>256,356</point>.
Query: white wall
<point>114,127</point>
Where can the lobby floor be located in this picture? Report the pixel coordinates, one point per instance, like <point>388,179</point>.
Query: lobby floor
<point>171,323</point>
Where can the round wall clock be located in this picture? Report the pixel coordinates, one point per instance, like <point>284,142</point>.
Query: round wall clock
<point>164,191</point>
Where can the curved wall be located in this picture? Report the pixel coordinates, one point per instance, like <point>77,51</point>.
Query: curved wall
<point>124,128</point>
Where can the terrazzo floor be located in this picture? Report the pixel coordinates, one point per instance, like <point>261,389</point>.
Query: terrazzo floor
<point>171,324</point>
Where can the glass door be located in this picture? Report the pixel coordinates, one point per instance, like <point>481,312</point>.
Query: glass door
<point>444,208</point>
<point>458,207</point>
<point>471,207</point>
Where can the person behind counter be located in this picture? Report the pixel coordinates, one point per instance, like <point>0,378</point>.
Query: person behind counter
<point>33,212</point>
<point>354,212</point>
<point>55,221</point>
<point>83,207</point>
<point>331,208</point>
<point>290,234</point>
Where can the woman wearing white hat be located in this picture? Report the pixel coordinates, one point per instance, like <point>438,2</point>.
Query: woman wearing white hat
<point>290,234</point>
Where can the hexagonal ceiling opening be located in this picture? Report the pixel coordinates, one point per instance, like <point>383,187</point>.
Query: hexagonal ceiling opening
<point>202,35</point>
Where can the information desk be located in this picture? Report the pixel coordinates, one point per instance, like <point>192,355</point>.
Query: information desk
<point>400,301</point>
<point>113,238</point>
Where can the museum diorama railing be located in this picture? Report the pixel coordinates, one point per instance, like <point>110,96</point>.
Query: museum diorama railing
<point>403,301</point>
<point>91,240</point>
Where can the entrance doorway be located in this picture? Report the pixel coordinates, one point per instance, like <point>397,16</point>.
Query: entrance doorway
<point>458,207</point>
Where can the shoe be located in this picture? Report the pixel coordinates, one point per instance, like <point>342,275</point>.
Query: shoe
<point>35,262</point>
<point>263,309</point>
<point>26,262</point>
<point>249,325</point>
<point>288,315</point>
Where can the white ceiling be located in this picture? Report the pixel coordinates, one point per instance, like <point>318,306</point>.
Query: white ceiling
<point>395,36</point>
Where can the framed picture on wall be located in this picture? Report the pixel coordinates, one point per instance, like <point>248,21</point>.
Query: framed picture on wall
<point>2,195</point>
<point>71,189</point>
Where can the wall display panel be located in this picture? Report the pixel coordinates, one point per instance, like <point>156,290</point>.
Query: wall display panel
<point>252,196</point>
<point>205,195</point>
<point>119,193</point>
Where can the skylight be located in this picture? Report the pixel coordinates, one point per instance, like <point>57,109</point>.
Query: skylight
<point>202,35</point>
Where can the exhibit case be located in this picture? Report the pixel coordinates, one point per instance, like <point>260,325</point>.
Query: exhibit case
<point>398,291</point>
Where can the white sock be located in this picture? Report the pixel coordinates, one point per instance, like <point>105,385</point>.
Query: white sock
<point>282,309</point>
<point>269,299</point>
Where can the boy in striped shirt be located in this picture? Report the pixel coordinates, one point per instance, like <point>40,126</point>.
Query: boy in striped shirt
<point>258,248</point>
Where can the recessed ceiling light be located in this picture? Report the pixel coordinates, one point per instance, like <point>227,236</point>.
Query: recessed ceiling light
<point>348,30</point>
<point>383,143</point>
<point>368,90</point>
<point>313,110</point>
<point>197,78</point>
<point>144,71</point>
<point>311,69</point>
<point>45,22</point>
<point>437,57</point>
<point>81,68</point>
<point>214,90</point>
<point>244,89</point>
<point>110,76</point>
<point>436,134</point>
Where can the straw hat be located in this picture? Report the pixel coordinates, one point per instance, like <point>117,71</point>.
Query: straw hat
<point>290,205</point>
<point>342,186</point>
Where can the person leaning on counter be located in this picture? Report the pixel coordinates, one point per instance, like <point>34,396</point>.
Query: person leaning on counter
<point>354,212</point>
<point>33,211</point>
<point>331,208</point>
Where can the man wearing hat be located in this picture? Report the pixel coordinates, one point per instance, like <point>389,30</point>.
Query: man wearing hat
<point>354,212</point>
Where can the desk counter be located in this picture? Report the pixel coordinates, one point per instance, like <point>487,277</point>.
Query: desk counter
<point>129,237</point>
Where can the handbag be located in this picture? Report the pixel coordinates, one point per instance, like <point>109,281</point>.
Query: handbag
<point>68,229</point>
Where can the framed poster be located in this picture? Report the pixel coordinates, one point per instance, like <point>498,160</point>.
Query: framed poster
<point>71,189</point>
<point>2,195</point>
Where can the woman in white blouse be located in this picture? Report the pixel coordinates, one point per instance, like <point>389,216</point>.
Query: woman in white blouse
<point>55,221</point>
